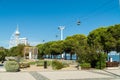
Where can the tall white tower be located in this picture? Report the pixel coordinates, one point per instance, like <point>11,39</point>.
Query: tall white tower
<point>61,28</point>
<point>15,39</point>
<point>17,34</point>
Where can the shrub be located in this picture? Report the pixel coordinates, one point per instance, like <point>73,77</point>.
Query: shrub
<point>41,63</point>
<point>85,65</point>
<point>101,63</point>
<point>11,66</point>
<point>56,65</point>
<point>49,63</point>
<point>12,60</point>
<point>65,65</point>
<point>24,65</point>
<point>32,62</point>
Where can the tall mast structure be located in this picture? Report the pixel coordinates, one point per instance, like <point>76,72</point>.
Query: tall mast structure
<point>61,28</point>
<point>17,34</point>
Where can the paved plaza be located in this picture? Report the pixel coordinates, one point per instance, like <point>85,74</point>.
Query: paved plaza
<point>107,74</point>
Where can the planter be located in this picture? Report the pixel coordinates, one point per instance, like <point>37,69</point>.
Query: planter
<point>112,64</point>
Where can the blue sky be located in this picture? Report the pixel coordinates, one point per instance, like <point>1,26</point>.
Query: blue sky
<point>39,20</point>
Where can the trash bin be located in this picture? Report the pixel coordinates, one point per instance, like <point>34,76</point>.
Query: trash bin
<point>45,64</point>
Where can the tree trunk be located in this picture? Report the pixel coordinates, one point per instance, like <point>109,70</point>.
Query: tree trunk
<point>65,56</point>
<point>48,56</point>
<point>76,57</point>
<point>51,56</point>
<point>70,56</point>
<point>44,56</point>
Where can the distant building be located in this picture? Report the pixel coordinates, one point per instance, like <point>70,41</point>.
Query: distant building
<point>29,52</point>
<point>15,39</point>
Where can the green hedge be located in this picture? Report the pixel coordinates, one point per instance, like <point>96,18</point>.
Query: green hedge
<point>85,66</point>
<point>100,65</point>
<point>56,65</point>
<point>11,66</point>
<point>40,63</point>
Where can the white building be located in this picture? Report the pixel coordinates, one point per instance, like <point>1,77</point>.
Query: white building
<point>15,39</point>
<point>29,52</point>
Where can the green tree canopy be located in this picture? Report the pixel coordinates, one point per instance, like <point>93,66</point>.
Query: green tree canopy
<point>115,33</point>
<point>3,53</point>
<point>17,50</point>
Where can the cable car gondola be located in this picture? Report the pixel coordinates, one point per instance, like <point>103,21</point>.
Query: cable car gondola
<point>78,22</point>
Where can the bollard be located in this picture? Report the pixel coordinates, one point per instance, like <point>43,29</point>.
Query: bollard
<point>45,64</point>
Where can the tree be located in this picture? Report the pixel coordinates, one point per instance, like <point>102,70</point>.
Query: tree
<point>69,46</point>
<point>50,48</point>
<point>17,50</point>
<point>56,48</point>
<point>105,39</point>
<point>3,53</point>
<point>47,50</point>
<point>40,50</point>
<point>96,38</point>
<point>72,44</point>
<point>115,33</point>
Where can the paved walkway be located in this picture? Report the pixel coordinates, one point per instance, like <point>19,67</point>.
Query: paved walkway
<point>83,75</point>
<point>108,74</point>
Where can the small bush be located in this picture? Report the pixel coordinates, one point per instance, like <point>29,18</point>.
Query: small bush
<point>56,65</point>
<point>11,66</point>
<point>49,63</point>
<point>32,62</point>
<point>40,64</point>
<point>85,65</point>
<point>24,65</point>
<point>65,65</point>
<point>100,65</point>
